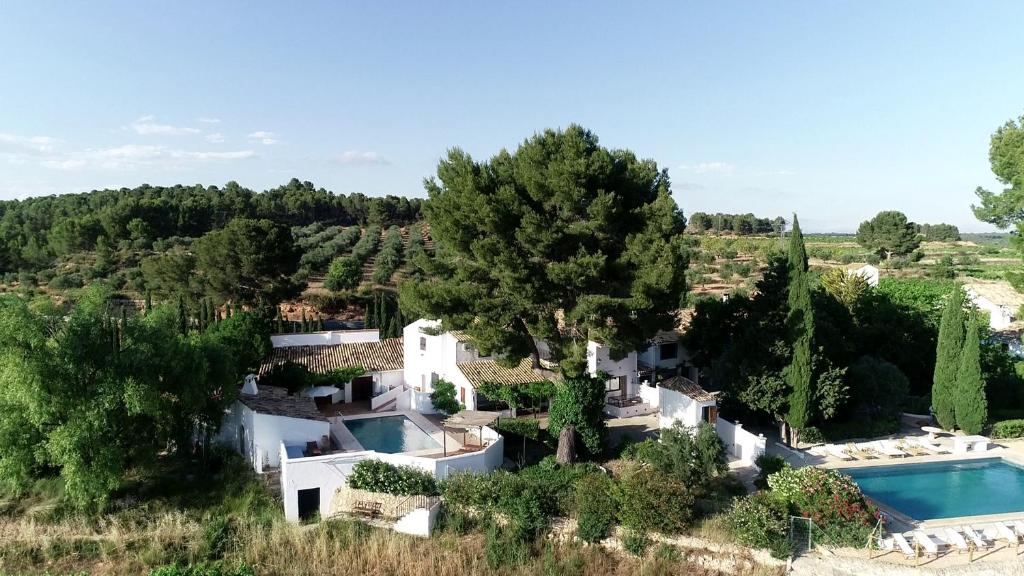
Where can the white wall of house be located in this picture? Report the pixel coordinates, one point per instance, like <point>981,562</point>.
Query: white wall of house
<point>999,317</point>
<point>429,358</point>
<point>656,356</point>
<point>599,360</point>
<point>867,272</point>
<point>257,436</point>
<point>678,407</point>
<point>329,472</point>
<point>324,338</point>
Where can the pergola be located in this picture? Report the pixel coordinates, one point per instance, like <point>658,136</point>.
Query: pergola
<point>468,419</point>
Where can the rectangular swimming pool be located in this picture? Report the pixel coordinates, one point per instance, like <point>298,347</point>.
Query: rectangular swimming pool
<point>390,434</point>
<point>945,489</point>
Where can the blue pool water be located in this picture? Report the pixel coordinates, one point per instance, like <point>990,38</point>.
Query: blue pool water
<point>945,489</point>
<point>390,434</point>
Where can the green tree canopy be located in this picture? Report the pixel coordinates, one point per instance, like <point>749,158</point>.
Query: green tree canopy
<point>561,240</point>
<point>888,234</point>
<point>343,274</point>
<point>1006,156</point>
<point>95,394</point>
<point>248,261</point>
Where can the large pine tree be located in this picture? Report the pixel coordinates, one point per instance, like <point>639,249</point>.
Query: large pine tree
<point>947,360</point>
<point>971,406</point>
<point>800,322</point>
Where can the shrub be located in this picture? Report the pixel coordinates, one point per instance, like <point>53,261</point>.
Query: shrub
<point>861,428</point>
<point>443,397</point>
<point>595,508</point>
<point>767,464</point>
<point>832,500</point>
<point>918,404</point>
<point>878,387</point>
<point>216,537</point>
<point>553,487</point>
<point>525,427</point>
<point>811,435</point>
<point>378,476</point>
<point>651,500</point>
<point>695,456</point>
<point>204,569</point>
<point>760,521</point>
<point>635,542</point>
<point>343,274</point>
<point>1008,429</point>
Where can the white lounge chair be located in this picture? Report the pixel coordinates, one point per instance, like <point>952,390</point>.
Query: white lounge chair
<point>927,544</point>
<point>1005,533</point>
<point>1019,527</point>
<point>889,450</point>
<point>904,546</point>
<point>977,538</point>
<point>837,451</point>
<point>933,448</point>
<point>954,538</point>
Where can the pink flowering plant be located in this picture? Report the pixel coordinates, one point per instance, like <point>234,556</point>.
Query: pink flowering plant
<point>832,500</point>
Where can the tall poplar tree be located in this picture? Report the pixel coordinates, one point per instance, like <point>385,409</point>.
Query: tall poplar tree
<point>971,406</point>
<point>800,322</point>
<point>947,360</point>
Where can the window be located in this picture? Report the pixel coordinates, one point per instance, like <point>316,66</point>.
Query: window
<point>423,342</point>
<point>709,414</point>
<point>668,351</point>
<point>614,384</point>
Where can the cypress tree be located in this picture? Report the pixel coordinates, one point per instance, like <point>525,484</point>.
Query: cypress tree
<point>947,360</point>
<point>182,315</point>
<point>368,320</point>
<point>149,301</point>
<point>319,323</point>
<point>280,321</point>
<point>800,323</point>
<point>203,318</point>
<point>305,323</point>
<point>971,406</point>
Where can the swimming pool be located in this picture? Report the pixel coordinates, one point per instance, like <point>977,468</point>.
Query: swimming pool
<point>390,434</point>
<point>945,489</point>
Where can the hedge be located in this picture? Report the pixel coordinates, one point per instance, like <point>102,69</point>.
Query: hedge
<point>1008,429</point>
<point>379,476</point>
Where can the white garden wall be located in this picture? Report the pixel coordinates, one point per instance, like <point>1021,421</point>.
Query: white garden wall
<point>324,338</point>
<point>740,443</point>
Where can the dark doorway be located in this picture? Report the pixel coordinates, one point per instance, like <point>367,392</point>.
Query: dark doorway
<point>362,388</point>
<point>309,503</point>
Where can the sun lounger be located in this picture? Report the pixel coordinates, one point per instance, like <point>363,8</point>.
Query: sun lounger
<point>1018,526</point>
<point>855,451</point>
<point>886,449</point>
<point>933,448</point>
<point>837,452</point>
<point>954,538</point>
<point>1005,533</point>
<point>904,546</point>
<point>926,543</point>
<point>911,449</point>
<point>978,539</point>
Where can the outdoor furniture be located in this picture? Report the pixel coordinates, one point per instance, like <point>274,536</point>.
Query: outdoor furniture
<point>956,539</point>
<point>858,453</point>
<point>926,543</point>
<point>933,448</point>
<point>904,546</point>
<point>911,449</point>
<point>890,450</point>
<point>312,448</point>
<point>932,431</point>
<point>1005,533</point>
<point>620,402</point>
<point>837,452</point>
<point>974,536</point>
<point>366,508</point>
<point>963,444</point>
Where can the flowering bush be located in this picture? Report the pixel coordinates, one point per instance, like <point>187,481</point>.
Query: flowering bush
<point>760,521</point>
<point>378,476</point>
<point>832,500</point>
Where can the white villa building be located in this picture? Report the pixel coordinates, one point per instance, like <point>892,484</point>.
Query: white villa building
<point>386,414</point>
<point>868,272</point>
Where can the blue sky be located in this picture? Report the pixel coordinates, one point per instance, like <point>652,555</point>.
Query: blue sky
<point>835,110</point>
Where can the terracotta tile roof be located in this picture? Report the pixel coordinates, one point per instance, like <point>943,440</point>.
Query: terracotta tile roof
<point>373,356</point>
<point>480,371</point>
<point>461,336</point>
<point>276,402</point>
<point>687,387</point>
